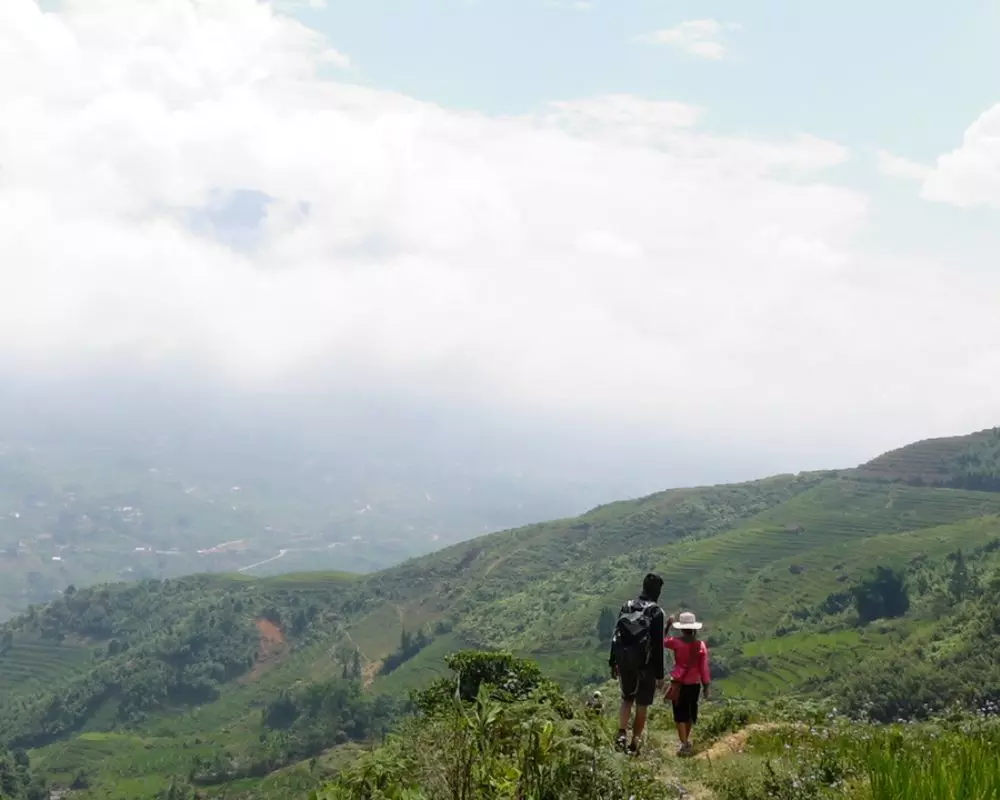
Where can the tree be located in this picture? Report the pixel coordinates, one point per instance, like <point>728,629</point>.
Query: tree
<point>960,582</point>
<point>508,678</point>
<point>881,596</point>
<point>606,624</point>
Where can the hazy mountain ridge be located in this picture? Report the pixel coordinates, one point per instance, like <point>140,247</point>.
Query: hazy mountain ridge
<point>83,514</point>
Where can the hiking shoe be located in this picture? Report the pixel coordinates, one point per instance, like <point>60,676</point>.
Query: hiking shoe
<point>621,740</point>
<point>685,749</point>
<point>633,749</point>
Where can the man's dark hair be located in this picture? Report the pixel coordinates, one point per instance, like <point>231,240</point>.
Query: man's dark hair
<point>651,586</point>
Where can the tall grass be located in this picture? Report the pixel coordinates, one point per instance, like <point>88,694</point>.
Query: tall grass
<point>939,760</point>
<point>952,766</point>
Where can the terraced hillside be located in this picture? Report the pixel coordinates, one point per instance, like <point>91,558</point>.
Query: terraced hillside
<point>191,668</point>
<point>28,661</point>
<point>950,461</point>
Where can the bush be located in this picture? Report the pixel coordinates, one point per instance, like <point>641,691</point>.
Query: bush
<point>507,677</point>
<point>494,750</point>
<point>881,596</point>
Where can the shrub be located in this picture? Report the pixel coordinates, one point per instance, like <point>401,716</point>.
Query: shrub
<point>508,678</point>
<point>492,750</point>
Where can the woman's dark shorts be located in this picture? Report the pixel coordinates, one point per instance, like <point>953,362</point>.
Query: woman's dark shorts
<point>638,686</point>
<point>686,707</point>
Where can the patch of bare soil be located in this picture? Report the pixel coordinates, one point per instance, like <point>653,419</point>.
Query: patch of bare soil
<point>369,672</point>
<point>272,645</point>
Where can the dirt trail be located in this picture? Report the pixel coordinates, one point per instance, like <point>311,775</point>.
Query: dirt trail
<point>735,742</point>
<point>728,746</point>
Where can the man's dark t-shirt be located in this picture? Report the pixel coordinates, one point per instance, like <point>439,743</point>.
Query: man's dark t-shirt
<point>641,686</point>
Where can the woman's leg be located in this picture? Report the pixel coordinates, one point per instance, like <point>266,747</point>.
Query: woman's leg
<point>693,708</point>
<point>680,720</point>
<point>689,699</point>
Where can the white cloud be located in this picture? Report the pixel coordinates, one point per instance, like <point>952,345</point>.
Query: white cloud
<point>970,174</point>
<point>606,258</point>
<point>699,37</point>
<point>295,5</point>
<point>895,166</point>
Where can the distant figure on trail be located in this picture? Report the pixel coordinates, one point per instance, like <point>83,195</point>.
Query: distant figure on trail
<point>596,703</point>
<point>689,678</point>
<point>637,659</point>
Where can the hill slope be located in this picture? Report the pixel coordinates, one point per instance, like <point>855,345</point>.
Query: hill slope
<point>193,668</point>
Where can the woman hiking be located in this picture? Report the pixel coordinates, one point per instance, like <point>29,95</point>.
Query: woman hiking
<point>689,678</point>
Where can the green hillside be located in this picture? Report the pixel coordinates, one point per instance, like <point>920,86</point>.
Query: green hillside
<point>248,687</point>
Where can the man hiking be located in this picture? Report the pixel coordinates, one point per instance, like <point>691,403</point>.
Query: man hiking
<point>637,659</point>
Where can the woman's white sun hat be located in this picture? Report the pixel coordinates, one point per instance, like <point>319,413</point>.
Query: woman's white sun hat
<point>686,621</point>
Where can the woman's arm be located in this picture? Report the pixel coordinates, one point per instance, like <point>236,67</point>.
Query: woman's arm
<point>669,641</point>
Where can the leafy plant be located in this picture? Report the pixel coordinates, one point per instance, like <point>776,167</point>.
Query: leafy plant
<point>493,749</point>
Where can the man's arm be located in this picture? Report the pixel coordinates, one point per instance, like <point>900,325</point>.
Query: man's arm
<point>706,675</point>
<point>656,634</point>
<point>612,661</point>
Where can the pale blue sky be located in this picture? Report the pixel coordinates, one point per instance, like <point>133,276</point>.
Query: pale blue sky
<point>908,77</point>
<point>895,75</point>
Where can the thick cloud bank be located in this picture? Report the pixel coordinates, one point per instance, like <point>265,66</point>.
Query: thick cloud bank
<point>196,186</point>
<point>970,174</point>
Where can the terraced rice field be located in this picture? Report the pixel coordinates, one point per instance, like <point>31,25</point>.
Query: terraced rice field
<point>807,579</point>
<point>795,659</point>
<point>319,581</point>
<point>135,765</point>
<point>927,460</point>
<point>32,662</point>
<point>868,508</point>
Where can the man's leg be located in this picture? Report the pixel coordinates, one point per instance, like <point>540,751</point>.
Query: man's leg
<point>621,740</point>
<point>624,713</point>
<point>644,696</point>
<point>629,683</point>
<point>640,722</point>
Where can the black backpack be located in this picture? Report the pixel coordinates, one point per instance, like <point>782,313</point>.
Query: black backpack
<point>632,639</point>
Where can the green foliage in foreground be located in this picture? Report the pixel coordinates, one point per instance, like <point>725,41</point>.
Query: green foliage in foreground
<point>16,779</point>
<point>488,747</point>
<point>506,678</point>
<point>943,760</point>
<point>515,738</point>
